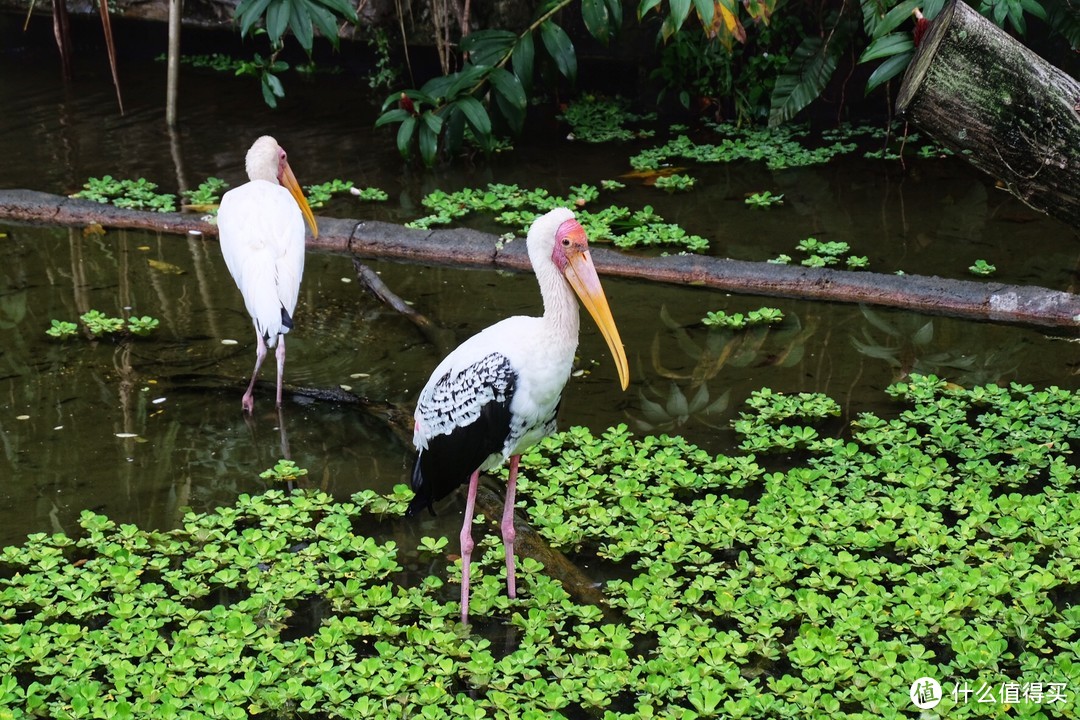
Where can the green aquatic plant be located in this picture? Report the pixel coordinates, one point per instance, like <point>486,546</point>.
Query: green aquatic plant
<point>133,194</point>
<point>983,268</point>
<point>764,199</point>
<point>98,323</point>
<point>676,182</point>
<point>318,195</point>
<point>142,326</point>
<point>517,207</point>
<point>736,321</point>
<point>370,194</point>
<point>284,471</point>
<point>208,192</point>
<point>595,119</point>
<point>62,329</point>
<point>820,576</point>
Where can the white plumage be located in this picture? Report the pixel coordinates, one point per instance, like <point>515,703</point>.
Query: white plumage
<point>498,393</point>
<point>261,228</point>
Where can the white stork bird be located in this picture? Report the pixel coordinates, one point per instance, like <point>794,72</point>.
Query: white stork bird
<point>261,227</point>
<point>498,392</point>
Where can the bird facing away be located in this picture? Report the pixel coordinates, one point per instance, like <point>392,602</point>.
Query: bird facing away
<point>261,228</point>
<point>497,394</point>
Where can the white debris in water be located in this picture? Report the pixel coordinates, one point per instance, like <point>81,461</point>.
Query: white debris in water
<point>357,376</point>
<point>22,417</point>
<point>125,436</point>
<point>346,280</point>
<point>158,401</point>
<point>346,388</point>
<point>229,341</point>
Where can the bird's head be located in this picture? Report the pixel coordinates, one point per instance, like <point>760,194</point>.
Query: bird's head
<point>570,254</point>
<point>266,160</point>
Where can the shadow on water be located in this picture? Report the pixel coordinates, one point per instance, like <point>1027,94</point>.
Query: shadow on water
<point>140,429</point>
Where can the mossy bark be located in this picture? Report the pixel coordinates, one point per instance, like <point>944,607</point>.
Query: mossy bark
<point>978,91</point>
<point>978,300</point>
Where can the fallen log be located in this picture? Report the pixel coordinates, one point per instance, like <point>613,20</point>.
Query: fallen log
<point>974,88</point>
<point>996,302</point>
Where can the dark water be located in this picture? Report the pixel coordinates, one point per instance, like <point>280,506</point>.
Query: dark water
<point>141,429</point>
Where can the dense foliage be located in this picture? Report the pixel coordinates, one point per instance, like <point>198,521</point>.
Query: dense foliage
<point>805,575</point>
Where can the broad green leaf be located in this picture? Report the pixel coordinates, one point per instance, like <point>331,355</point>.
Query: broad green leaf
<point>522,60</point>
<point>466,79</point>
<point>886,46</point>
<point>515,116</point>
<point>1034,7</point>
<point>392,116</point>
<point>595,15</point>
<point>342,8</point>
<point>429,145</point>
<point>277,19</point>
<point>405,136</point>
<point>561,49</point>
<point>679,10</point>
<point>803,79</point>
<point>439,86</point>
<point>300,23</point>
<point>615,13</point>
<point>705,9</point>
<point>476,115</point>
<point>488,47</point>
<point>250,12</point>
<point>888,70</point>
<point>432,121</point>
<point>325,21</point>
<point>508,86</point>
<point>455,130</point>
<point>892,19</point>
<point>645,6</point>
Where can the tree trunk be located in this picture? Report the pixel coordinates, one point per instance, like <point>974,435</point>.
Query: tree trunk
<point>1012,114</point>
<point>977,300</point>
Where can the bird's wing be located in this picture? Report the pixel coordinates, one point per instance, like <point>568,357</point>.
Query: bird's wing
<point>463,419</point>
<point>261,231</point>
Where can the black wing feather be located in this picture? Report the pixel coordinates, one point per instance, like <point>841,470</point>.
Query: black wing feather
<point>452,457</point>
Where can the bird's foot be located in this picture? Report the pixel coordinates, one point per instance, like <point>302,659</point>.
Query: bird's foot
<point>248,404</point>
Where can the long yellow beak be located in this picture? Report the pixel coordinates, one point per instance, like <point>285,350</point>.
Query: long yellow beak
<point>581,274</point>
<point>288,180</point>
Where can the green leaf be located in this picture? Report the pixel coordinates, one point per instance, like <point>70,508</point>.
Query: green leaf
<point>508,86</point>
<point>595,15</point>
<point>488,47</point>
<point>250,12</point>
<point>429,144</point>
<point>392,116</point>
<point>432,121</point>
<point>515,116</point>
<point>886,46</point>
<point>455,130</point>
<point>1034,7</point>
<point>679,10</point>
<point>466,79</point>
<point>277,19</point>
<point>325,21</point>
<point>645,6</point>
<point>615,13</point>
<point>476,115</point>
<point>888,70</point>
<point>522,60</point>
<point>342,8</point>
<point>803,79</point>
<point>300,22</point>
<point>271,89</point>
<point>892,19</point>
<point>405,136</point>
<point>561,49</point>
<point>705,10</point>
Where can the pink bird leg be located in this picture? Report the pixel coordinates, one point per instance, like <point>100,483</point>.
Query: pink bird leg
<point>467,545</point>
<point>508,531</point>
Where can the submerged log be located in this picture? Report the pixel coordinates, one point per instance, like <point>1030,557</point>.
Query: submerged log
<point>974,88</point>
<point>997,302</point>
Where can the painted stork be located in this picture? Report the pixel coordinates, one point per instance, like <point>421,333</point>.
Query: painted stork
<point>498,392</point>
<point>261,227</point>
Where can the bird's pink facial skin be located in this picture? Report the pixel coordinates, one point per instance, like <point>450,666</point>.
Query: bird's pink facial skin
<point>571,256</point>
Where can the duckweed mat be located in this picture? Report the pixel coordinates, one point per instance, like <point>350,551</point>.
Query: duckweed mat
<point>929,557</point>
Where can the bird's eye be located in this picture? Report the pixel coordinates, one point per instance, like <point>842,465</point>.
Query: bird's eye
<point>566,242</point>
